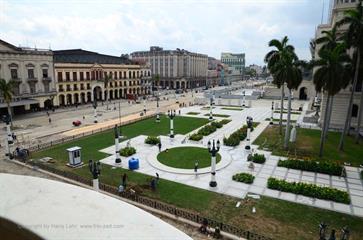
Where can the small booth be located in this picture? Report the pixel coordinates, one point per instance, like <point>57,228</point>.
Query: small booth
<point>74,155</point>
<point>133,163</point>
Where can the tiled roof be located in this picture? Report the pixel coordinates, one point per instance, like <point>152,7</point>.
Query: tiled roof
<point>83,56</point>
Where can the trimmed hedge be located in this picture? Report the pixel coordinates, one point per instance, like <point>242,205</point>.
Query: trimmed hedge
<point>256,158</point>
<point>312,166</point>
<point>237,136</point>
<point>225,121</point>
<point>206,130</point>
<point>195,137</point>
<point>243,177</point>
<point>152,140</point>
<point>127,151</point>
<point>309,190</point>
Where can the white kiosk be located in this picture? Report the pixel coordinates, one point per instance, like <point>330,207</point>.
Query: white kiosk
<point>74,154</point>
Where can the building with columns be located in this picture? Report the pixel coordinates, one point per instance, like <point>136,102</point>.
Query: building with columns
<point>341,100</point>
<point>177,69</point>
<point>32,72</point>
<point>235,61</point>
<point>81,77</point>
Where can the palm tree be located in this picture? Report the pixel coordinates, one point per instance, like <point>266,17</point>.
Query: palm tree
<point>329,41</point>
<point>354,38</point>
<point>274,59</point>
<point>6,90</point>
<point>106,80</point>
<point>331,75</point>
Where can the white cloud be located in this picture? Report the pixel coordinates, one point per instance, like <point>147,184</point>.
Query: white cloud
<point>116,27</point>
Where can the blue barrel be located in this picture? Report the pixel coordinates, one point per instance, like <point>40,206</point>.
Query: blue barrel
<point>133,163</point>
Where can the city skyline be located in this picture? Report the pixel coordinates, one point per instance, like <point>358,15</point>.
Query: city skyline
<point>119,27</point>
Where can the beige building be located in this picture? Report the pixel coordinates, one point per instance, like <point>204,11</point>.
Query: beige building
<point>341,100</point>
<point>177,69</point>
<point>80,77</point>
<point>32,72</point>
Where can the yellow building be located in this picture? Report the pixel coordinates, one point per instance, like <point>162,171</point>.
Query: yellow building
<point>81,76</point>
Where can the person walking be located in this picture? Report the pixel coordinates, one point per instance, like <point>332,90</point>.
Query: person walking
<point>49,120</point>
<point>196,167</point>
<point>124,180</point>
<point>159,145</point>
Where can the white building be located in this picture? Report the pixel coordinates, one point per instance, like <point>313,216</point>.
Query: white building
<point>341,100</point>
<point>235,61</point>
<point>32,71</point>
<point>177,69</point>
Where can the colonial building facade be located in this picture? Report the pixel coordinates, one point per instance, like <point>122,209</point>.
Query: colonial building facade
<point>177,69</point>
<point>341,100</point>
<point>81,77</point>
<point>235,61</point>
<point>32,72</point>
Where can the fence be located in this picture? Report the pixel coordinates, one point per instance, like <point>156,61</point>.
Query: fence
<point>49,144</point>
<point>191,216</point>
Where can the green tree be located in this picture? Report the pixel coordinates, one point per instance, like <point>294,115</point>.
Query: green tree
<point>6,90</point>
<point>331,75</point>
<point>274,60</point>
<point>354,38</point>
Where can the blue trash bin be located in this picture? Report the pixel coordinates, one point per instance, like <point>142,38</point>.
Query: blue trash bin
<point>133,163</point>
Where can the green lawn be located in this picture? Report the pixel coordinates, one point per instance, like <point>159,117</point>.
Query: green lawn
<point>307,146</point>
<point>232,108</point>
<point>207,108</point>
<point>193,113</point>
<point>274,218</point>
<point>185,157</point>
<point>218,115</point>
<point>91,144</point>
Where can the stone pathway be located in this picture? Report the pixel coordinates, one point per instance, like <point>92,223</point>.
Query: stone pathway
<point>235,161</point>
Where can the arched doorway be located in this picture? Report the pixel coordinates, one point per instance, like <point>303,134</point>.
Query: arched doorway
<point>61,100</point>
<point>76,98</point>
<point>69,99</point>
<point>83,98</point>
<point>303,94</point>
<point>111,95</point>
<point>89,97</point>
<point>97,93</point>
<point>177,84</point>
<point>48,104</point>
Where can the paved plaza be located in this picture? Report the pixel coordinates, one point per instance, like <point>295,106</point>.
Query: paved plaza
<point>234,160</point>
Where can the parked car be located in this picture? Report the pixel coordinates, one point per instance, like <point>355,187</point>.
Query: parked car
<point>76,123</point>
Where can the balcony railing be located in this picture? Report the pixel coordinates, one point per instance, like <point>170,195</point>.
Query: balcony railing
<point>32,79</point>
<point>46,79</point>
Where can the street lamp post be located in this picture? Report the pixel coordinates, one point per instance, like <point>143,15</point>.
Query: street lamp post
<point>157,109</point>
<point>144,105</point>
<point>211,109</point>
<point>244,99</point>
<point>95,111</point>
<point>171,114</point>
<point>117,146</point>
<point>272,113</point>
<point>95,169</point>
<point>249,121</point>
<point>213,149</point>
<point>9,136</point>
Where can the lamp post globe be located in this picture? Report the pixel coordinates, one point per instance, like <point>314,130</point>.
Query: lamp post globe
<point>171,115</point>
<point>213,149</point>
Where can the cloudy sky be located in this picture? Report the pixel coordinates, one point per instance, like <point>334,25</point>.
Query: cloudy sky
<point>123,26</point>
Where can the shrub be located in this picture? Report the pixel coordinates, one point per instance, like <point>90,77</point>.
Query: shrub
<point>236,137</point>
<point>243,177</point>
<point>195,137</point>
<point>310,190</point>
<point>256,158</point>
<point>312,166</point>
<point>127,151</point>
<point>206,130</point>
<point>152,140</point>
<point>225,121</point>
<point>217,124</point>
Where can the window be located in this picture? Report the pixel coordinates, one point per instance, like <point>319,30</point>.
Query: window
<point>87,76</point>
<point>129,74</point>
<point>31,73</point>
<point>32,87</point>
<point>355,110</point>
<point>115,75</point>
<point>133,74</point>
<point>14,73</point>
<point>68,77</point>
<point>74,76</point>
<point>45,72</point>
<point>81,77</point>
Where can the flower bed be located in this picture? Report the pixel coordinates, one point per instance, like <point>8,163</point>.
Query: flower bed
<point>195,137</point>
<point>312,166</point>
<point>208,129</point>
<point>309,190</point>
<point>243,177</point>
<point>127,151</point>
<point>256,158</point>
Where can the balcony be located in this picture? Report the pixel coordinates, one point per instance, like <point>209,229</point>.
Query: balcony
<point>32,79</point>
<point>46,79</point>
<point>16,79</point>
